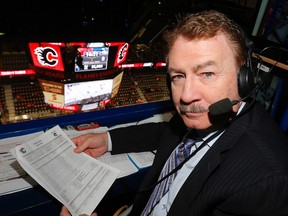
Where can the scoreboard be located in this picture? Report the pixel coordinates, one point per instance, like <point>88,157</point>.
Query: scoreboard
<point>78,73</point>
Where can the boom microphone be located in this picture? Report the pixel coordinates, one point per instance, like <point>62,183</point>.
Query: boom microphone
<point>225,105</point>
<point>222,107</point>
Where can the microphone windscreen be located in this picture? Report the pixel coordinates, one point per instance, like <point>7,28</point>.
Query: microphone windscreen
<point>221,107</point>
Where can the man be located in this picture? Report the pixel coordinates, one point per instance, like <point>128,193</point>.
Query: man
<point>241,168</point>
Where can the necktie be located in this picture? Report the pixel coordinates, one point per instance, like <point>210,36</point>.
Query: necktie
<point>179,154</point>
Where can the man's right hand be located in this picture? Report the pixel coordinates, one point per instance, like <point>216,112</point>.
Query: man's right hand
<point>93,144</point>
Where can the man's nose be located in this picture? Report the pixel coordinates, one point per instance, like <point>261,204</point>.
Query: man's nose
<point>190,91</point>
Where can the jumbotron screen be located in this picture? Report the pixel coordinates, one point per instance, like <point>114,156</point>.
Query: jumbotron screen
<point>78,73</point>
<point>76,57</point>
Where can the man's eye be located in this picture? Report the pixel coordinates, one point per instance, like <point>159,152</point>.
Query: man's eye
<point>176,77</point>
<point>208,74</point>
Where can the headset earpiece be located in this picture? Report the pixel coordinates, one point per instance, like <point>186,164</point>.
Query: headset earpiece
<point>246,81</point>
<point>246,76</point>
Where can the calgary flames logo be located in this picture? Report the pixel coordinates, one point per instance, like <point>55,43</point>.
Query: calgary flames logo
<point>46,56</point>
<point>122,53</point>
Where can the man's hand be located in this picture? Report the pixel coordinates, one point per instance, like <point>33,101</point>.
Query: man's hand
<point>93,144</point>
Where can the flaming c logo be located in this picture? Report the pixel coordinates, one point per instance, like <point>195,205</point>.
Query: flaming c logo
<point>122,52</point>
<point>46,56</point>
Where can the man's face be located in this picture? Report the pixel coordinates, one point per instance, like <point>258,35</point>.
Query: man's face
<point>202,72</point>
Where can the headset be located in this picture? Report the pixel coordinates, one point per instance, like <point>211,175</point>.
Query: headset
<point>247,80</point>
<point>250,78</point>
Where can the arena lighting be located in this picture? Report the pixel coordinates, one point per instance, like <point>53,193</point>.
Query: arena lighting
<point>136,65</point>
<point>70,108</point>
<point>142,64</point>
<point>17,72</point>
<point>161,64</point>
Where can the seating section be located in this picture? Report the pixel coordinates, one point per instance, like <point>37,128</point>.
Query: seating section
<point>27,101</point>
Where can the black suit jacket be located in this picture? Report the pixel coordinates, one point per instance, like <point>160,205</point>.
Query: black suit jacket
<point>245,172</point>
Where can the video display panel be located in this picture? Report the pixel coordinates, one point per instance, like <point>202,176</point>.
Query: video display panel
<point>87,92</point>
<point>80,93</point>
<point>93,57</point>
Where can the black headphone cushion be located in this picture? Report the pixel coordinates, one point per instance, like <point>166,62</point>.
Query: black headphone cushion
<point>246,82</point>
